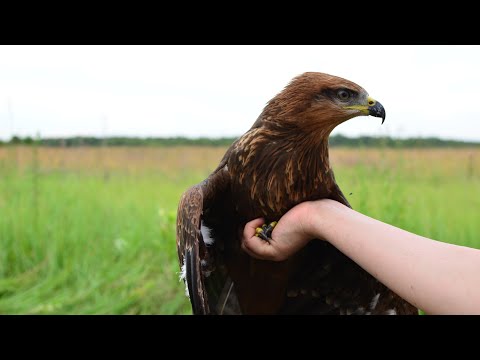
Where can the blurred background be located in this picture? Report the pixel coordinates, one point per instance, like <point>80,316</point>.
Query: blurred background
<point>97,144</point>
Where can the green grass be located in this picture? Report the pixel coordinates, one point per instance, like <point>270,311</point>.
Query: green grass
<point>93,246</point>
<point>101,240</point>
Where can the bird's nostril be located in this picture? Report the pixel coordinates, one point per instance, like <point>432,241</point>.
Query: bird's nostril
<point>371,102</point>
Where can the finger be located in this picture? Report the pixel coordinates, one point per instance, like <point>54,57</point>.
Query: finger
<point>251,253</point>
<point>250,227</point>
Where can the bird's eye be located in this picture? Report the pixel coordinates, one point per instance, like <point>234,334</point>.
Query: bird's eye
<point>343,95</point>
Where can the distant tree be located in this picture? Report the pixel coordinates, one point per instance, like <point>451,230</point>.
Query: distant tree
<point>15,140</point>
<point>28,141</point>
<point>335,140</point>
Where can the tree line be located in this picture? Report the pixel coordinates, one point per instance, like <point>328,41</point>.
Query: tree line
<point>335,140</point>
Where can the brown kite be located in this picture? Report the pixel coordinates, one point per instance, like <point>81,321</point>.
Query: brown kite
<point>280,162</point>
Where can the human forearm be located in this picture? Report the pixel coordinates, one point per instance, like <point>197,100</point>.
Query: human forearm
<point>437,277</point>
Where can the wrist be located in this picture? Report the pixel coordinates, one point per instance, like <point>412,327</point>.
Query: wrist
<point>323,218</point>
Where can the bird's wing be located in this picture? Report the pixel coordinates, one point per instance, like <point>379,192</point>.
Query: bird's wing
<point>198,250</point>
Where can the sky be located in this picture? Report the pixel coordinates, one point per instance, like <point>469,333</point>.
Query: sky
<point>215,91</point>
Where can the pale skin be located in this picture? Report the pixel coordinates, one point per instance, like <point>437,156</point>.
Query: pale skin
<point>437,277</point>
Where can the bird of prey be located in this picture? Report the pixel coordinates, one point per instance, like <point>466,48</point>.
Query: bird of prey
<point>281,161</point>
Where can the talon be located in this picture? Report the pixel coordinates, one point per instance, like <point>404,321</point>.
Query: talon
<point>270,227</point>
<point>265,231</point>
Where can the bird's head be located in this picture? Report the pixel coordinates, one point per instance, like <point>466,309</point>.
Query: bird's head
<point>321,101</point>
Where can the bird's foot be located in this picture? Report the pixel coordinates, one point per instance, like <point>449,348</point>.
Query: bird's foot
<point>265,231</point>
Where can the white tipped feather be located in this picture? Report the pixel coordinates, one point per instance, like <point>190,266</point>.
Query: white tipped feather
<point>183,276</point>
<point>207,239</point>
<point>374,302</point>
<point>390,312</point>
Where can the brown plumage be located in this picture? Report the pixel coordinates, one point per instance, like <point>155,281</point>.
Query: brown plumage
<point>281,161</point>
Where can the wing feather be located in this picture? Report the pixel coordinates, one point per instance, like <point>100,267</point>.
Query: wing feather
<point>190,247</point>
<point>200,218</point>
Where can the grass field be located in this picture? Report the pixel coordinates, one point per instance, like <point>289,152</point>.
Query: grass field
<point>92,230</point>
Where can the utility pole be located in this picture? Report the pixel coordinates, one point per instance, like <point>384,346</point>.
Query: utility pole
<point>10,116</point>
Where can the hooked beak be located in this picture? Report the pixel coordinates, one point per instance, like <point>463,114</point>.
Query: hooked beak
<point>376,109</point>
<point>373,107</point>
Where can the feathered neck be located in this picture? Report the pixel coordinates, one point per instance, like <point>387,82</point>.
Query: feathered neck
<point>279,167</point>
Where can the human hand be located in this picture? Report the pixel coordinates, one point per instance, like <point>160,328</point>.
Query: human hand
<point>292,232</point>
